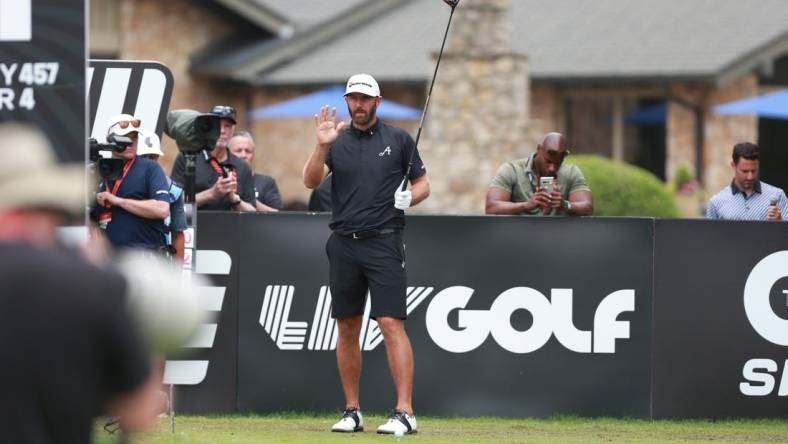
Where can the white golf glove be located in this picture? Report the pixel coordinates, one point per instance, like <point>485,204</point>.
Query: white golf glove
<point>402,198</point>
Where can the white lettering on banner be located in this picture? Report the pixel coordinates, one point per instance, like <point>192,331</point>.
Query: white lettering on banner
<point>274,316</point>
<point>193,372</point>
<point>757,372</point>
<point>548,318</point>
<point>756,298</point>
<point>115,78</point>
<point>16,20</point>
<point>8,72</point>
<point>30,74</point>
<point>291,335</point>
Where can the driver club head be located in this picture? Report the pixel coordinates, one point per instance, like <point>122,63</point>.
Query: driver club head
<point>452,3</point>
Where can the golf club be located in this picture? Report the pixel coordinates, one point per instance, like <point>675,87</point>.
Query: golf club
<point>453,5</point>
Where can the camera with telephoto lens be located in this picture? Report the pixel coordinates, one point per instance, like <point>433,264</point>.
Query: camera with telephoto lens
<point>106,167</point>
<point>193,131</point>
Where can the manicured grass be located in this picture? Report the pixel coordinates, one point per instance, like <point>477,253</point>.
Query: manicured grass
<point>301,428</point>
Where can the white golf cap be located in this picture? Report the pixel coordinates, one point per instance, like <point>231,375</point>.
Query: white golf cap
<point>123,124</point>
<point>364,84</point>
<point>148,143</point>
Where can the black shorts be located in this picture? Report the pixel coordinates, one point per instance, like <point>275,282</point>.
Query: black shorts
<point>376,264</point>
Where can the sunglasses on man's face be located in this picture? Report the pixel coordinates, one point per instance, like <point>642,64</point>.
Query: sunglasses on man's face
<point>123,124</point>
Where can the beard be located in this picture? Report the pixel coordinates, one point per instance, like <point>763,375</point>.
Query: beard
<point>361,118</point>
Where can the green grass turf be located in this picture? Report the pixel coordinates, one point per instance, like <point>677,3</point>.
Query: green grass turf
<point>301,428</point>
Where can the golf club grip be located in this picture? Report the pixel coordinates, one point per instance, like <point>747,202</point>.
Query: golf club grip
<point>405,179</point>
<point>453,4</point>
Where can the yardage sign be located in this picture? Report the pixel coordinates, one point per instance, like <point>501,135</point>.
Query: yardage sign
<point>42,70</point>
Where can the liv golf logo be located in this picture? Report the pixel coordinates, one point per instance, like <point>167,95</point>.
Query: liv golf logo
<point>194,371</point>
<point>761,375</point>
<point>291,335</point>
<point>551,317</point>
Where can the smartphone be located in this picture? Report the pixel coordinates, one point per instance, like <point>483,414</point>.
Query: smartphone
<point>228,170</point>
<point>546,183</point>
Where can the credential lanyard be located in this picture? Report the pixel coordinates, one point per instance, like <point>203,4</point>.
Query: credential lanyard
<point>116,186</point>
<point>214,164</point>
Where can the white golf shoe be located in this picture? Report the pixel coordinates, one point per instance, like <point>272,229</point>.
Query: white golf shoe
<point>351,421</point>
<point>400,423</point>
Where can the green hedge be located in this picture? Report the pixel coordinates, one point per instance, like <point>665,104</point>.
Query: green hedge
<point>621,189</point>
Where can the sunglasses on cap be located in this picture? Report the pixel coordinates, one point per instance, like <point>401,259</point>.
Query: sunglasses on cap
<point>225,112</point>
<point>123,124</point>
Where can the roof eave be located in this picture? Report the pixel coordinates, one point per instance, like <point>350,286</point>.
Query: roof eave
<point>315,36</point>
<point>759,59</point>
<point>261,16</point>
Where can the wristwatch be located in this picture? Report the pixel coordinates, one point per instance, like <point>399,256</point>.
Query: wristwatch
<point>567,206</point>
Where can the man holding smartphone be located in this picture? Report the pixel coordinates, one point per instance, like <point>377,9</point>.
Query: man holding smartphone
<point>222,181</point>
<point>541,184</point>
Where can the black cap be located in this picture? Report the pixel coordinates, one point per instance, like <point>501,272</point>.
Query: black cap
<point>225,112</point>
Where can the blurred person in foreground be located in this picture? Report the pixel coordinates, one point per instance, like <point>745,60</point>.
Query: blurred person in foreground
<point>132,208</point>
<point>222,181</point>
<point>70,349</point>
<point>517,186</point>
<point>747,198</point>
<point>267,193</point>
<point>149,147</point>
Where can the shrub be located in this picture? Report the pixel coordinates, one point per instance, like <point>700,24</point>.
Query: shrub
<point>683,177</point>
<point>625,190</point>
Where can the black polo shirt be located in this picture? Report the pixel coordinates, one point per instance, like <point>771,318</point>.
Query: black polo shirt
<point>367,167</point>
<point>205,177</point>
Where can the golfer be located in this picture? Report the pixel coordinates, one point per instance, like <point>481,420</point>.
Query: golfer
<point>366,251</point>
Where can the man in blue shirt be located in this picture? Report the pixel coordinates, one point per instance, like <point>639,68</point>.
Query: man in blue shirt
<point>132,208</point>
<point>747,198</point>
<point>367,162</point>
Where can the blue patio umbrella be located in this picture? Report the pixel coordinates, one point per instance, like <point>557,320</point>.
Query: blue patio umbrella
<point>650,115</point>
<point>333,96</point>
<point>771,106</point>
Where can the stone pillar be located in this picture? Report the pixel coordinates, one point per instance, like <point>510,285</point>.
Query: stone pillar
<point>478,114</point>
<point>721,132</point>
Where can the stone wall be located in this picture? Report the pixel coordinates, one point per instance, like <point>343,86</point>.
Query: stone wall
<point>721,132</point>
<point>545,116</point>
<point>171,32</point>
<point>478,116</point>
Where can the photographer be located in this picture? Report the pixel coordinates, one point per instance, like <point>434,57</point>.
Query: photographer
<point>132,208</point>
<point>541,184</point>
<point>223,181</point>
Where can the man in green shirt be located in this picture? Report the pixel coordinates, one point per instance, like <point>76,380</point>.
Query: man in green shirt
<point>517,186</point>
